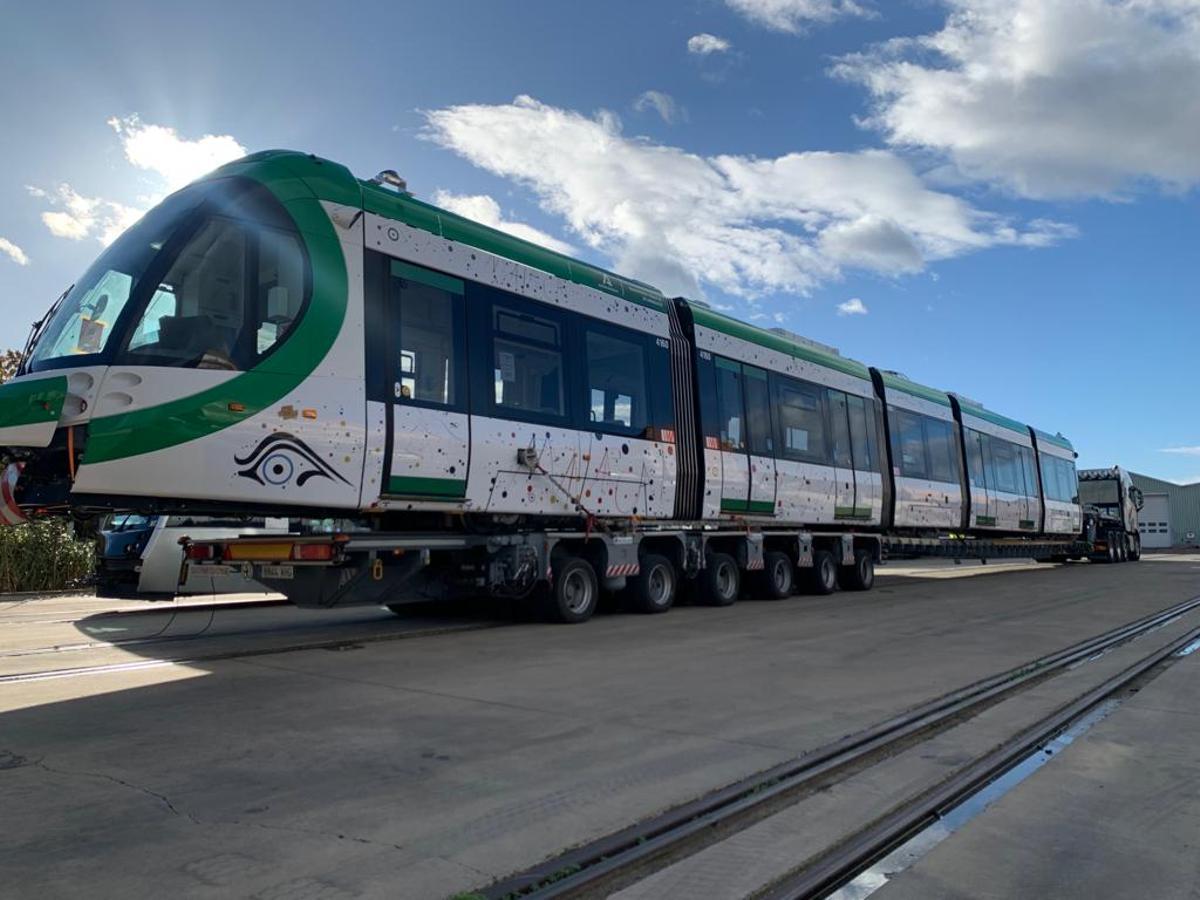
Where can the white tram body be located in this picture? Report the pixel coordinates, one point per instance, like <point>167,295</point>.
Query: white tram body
<point>282,338</point>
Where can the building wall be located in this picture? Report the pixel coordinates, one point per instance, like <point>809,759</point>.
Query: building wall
<point>1183,502</point>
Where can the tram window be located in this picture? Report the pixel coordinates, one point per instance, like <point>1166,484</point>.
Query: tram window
<point>208,284</point>
<point>975,467</point>
<point>527,362</point>
<point>861,434</point>
<point>280,287</point>
<point>1060,479</point>
<point>940,443</point>
<point>1005,466</point>
<point>1050,477</point>
<point>617,383</point>
<point>908,444</point>
<point>729,405</point>
<point>801,421</point>
<point>758,411</point>
<point>427,315</point>
<point>1071,479</point>
<point>1031,484</point>
<point>839,428</point>
<point>231,295</point>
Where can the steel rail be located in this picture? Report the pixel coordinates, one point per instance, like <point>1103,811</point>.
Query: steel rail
<point>846,861</point>
<point>581,868</point>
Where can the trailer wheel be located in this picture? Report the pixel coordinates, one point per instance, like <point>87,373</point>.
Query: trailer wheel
<point>776,579</point>
<point>823,579</point>
<point>861,575</point>
<point>1123,548</point>
<point>574,594</point>
<point>652,590</point>
<point>1113,555</point>
<point>720,579</point>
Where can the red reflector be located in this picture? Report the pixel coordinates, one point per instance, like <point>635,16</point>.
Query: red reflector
<point>201,551</point>
<point>312,551</point>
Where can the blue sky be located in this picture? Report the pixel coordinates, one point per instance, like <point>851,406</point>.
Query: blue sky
<point>997,198</point>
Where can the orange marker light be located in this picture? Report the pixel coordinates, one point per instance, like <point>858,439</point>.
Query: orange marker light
<point>309,413</point>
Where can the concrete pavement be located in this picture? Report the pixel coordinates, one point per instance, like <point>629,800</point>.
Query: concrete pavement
<point>425,767</point>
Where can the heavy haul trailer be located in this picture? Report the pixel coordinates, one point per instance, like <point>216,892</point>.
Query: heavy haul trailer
<point>280,338</point>
<point>565,571</point>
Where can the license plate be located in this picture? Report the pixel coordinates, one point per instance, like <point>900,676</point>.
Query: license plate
<point>214,571</point>
<point>281,572</point>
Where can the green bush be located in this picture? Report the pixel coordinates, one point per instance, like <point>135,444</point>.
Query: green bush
<point>43,555</point>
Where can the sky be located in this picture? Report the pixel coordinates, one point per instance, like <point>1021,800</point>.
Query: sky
<point>993,197</point>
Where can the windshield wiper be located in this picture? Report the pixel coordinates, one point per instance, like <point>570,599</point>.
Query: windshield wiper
<point>37,328</point>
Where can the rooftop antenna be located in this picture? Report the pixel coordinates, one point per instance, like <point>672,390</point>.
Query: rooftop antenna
<point>390,178</point>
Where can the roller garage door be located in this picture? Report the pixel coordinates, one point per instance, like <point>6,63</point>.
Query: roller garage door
<point>1154,521</point>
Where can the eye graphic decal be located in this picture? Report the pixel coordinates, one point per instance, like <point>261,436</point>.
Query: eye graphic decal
<point>281,459</point>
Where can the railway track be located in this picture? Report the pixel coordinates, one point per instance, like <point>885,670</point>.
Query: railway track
<point>609,863</point>
<point>188,636</point>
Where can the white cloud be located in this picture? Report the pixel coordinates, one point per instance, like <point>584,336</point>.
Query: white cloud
<point>703,44</point>
<point>486,211</point>
<point>852,307</point>
<point>792,15</point>
<point>172,160</point>
<point>1183,451</point>
<point>743,224</point>
<point>76,216</point>
<point>663,104</point>
<point>1051,98</point>
<point>176,160</point>
<point>13,252</point>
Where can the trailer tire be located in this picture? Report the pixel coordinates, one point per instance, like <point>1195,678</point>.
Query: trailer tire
<point>1135,552</point>
<point>823,579</point>
<point>1113,555</point>
<point>653,589</point>
<point>720,579</point>
<point>861,575</point>
<point>777,578</point>
<point>1123,548</point>
<point>574,593</point>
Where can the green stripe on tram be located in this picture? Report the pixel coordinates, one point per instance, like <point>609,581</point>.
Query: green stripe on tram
<point>761,507</point>
<point>454,488</point>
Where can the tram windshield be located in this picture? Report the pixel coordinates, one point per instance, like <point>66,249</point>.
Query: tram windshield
<point>214,277</point>
<point>83,324</point>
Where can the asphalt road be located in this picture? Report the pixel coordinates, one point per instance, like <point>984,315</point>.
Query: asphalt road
<point>418,768</point>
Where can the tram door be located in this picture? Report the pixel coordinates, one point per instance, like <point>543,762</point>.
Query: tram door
<point>731,436</point>
<point>983,502</point>
<point>760,435</point>
<point>868,484</point>
<point>425,382</point>
<point>843,458</point>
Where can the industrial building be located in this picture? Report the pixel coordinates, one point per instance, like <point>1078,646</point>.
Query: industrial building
<point>1170,516</point>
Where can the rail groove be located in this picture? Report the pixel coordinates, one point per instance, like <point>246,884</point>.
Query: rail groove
<point>837,867</point>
